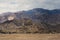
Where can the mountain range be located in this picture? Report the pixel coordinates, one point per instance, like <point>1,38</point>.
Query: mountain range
<point>37,20</point>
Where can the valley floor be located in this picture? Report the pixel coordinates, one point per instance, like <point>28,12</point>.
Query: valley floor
<point>29,36</point>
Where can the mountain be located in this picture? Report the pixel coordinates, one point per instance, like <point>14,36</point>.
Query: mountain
<point>37,20</point>
<point>44,15</point>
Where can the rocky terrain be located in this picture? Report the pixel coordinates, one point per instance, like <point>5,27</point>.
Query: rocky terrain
<point>37,20</point>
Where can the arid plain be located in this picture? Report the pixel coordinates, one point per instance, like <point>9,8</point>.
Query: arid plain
<point>29,36</point>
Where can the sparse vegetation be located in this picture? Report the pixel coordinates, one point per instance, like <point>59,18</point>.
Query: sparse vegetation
<point>16,26</point>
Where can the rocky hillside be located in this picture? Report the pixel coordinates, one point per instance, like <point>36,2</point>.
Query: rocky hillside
<point>37,20</point>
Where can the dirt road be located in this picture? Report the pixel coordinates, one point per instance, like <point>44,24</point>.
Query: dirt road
<point>29,36</point>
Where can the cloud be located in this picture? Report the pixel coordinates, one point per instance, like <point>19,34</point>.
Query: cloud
<point>52,4</point>
<point>13,5</point>
<point>6,7</point>
<point>18,5</point>
<point>47,4</point>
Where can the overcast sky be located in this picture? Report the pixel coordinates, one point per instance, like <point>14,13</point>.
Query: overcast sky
<point>18,5</point>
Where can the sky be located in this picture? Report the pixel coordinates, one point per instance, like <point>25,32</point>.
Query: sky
<point>19,5</point>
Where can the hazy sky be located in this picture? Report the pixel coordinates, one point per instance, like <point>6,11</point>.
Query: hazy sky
<point>18,5</point>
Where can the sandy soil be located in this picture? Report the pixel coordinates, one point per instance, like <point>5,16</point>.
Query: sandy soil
<point>29,36</point>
